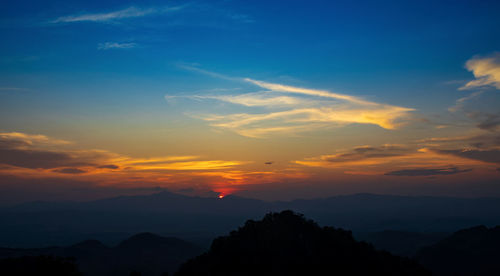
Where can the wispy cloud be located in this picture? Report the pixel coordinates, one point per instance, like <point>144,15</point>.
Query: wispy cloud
<point>21,139</point>
<point>115,45</point>
<point>241,17</point>
<point>38,158</point>
<point>264,99</point>
<point>427,172</point>
<point>486,70</point>
<point>175,163</point>
<point>460,103</point>
<point>129,12</point>
<point>448,139</point>
<point>236,178</point>
<point>39,152</point>
<point>193,67</point>
<point>292,109</point>
<point>481,140</point>
<point>367,152</point>
<point>403,160</point>
<point>69,171</point>
<point>302,119</point>
<point>486,120</point>
<point>361,156</point>
<point>307,91</point>
<point>36,151</point>
<point>488,156</point>
<point>255,99</point>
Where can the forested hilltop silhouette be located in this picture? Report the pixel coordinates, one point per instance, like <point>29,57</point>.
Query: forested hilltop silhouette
<point>286,243</point>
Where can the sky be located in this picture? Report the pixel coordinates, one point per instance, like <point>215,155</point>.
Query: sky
<point>273,100</point>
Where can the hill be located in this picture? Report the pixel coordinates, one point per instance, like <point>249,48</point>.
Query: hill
<point>287,244</point>
<point>473,251</point>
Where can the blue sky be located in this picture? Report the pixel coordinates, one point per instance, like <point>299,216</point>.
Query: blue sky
<point>149,73</point>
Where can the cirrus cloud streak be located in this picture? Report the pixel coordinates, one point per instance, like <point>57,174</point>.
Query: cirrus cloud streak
<point>291,109</point>
<point>129,12</point>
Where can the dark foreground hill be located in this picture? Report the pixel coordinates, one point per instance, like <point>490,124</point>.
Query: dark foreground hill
<point>38,265</point>
<point>473,251</point>
<point>287,244</point>
<point>148,253</point>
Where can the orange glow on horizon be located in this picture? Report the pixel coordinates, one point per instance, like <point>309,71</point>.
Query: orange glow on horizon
<point>221,196</point>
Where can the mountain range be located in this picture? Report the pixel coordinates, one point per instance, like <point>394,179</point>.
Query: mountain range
<point>200,219</point>
<point>145,252</point>
<point>284,237</point>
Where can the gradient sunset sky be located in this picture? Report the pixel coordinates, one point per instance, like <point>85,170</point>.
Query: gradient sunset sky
<point>263,99</point>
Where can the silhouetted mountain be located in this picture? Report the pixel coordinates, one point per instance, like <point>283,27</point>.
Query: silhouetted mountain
<point>400,242</point>
<point>287,244</point>
<point>473,251</point>
<point>148,253</point>
<point>150,240</point>
<point>200,219</point>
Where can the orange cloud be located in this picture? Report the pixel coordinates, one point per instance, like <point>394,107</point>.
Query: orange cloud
<point>22,155</point>
<point>24,139</point>
<point>369,160</point>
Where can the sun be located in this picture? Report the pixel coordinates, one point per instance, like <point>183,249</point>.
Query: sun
<point>221,196</point>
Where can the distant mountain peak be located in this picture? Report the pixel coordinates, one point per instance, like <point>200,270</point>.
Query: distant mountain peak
<point>89,244</point>
<point>141,238</point>
<point>145,236</point>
